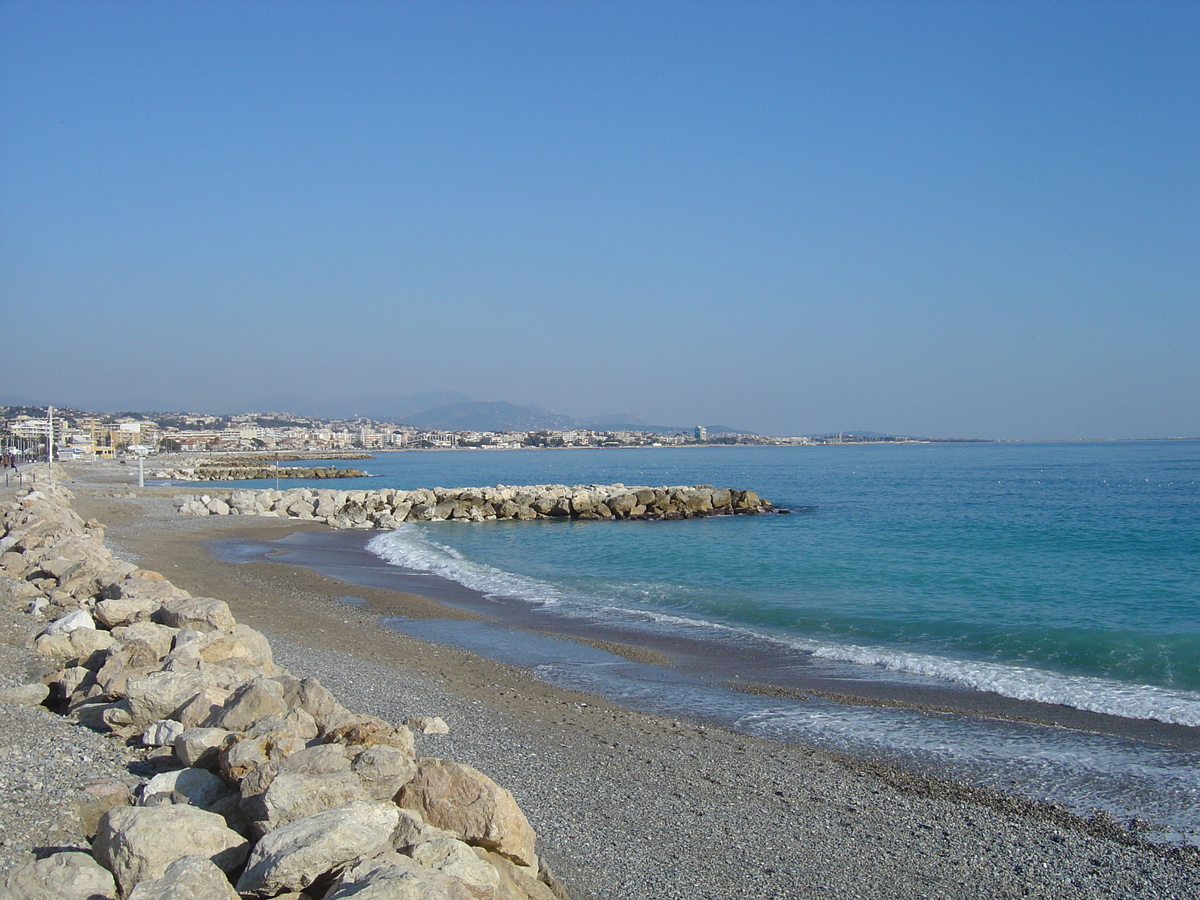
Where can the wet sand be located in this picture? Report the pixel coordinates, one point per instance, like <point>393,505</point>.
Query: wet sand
<point>711,812</point>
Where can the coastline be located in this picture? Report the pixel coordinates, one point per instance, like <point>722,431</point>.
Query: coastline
<point>714,812</point>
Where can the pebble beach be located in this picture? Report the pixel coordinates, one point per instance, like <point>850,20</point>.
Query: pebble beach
<point>626,805</point>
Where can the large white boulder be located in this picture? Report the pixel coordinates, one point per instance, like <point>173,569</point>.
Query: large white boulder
<point>467,803</point>
<point>137,843</point>
<point>292,857</point>
<point>72,875</point>
<point>194,877</point>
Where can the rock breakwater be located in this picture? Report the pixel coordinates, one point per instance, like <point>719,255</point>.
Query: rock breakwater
<point>266,785</point>
<point>252,472</point>
<point>390,508</point>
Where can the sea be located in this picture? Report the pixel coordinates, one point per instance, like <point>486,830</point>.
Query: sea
<point>1054,587</point>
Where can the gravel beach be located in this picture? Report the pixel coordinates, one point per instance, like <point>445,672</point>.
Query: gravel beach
<point>626,805</point>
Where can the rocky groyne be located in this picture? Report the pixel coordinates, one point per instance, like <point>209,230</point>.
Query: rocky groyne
<point>266,785</point>
<point>390,508</point>
<point>252,471</point>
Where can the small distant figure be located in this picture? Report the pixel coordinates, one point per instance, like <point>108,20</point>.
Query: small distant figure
<point>9,462</point>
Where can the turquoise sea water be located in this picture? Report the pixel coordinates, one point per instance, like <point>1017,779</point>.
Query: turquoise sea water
<point>1063,572</point>
<point>1067,573</point>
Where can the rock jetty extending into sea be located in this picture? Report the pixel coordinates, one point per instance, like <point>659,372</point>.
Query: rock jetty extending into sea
<point>390,508</point>
<point>252,472</point>
<point>267,786</point>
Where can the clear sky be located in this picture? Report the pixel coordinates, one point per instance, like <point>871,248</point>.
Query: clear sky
<point>975,219</point>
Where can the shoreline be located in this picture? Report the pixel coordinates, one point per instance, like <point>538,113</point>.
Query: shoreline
<point>762,669</point>
<point>714,812</point>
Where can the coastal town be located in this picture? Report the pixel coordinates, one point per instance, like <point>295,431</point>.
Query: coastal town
<point>82,435</point>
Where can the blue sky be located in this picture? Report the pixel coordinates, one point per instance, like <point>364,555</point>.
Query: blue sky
<point>946,218</point>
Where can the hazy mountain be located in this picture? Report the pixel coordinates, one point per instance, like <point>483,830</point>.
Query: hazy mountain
<point>497,416</point>
<point>386,409</point>
<point>436,410</point>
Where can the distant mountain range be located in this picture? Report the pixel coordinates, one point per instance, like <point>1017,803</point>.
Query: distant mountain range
<point>477,415</point>
<point>434,411</point>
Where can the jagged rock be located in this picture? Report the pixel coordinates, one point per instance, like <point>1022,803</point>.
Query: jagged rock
<point>240,643</point>
<point>80,618</point>
<point>383,770</point>
<point>206,704</point>
<point>242,754</point>
<point>464,801</point>
<point>158,638</point>
<point>159,695</point>
<point>412,830</point>
<point>162,733</point>
<point>200,747</point>
<point>391,876</point>
<point>459,861</point>
<point>293,857</point>
<point>142,584</point>
<point>138,843</point>
<point>87,645</point>
<point>312,696</point>
<point>254,700</point>
<point>197,787</point>
<point>199,613</point>
<point>71,875</point>
<point>368,731</point>
<point>294,795</point>
<point>193,877</point>
<point>520,882</point>
<point>115,613</point>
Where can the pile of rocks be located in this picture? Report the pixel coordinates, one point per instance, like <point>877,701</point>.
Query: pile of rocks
<point>251,472</point>
<point>268,787</point>
<point>391,508</point>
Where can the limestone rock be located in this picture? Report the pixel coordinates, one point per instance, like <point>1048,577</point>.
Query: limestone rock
<point>116,613</point>
<point>193,877</point>
<point>159,695</point>
<point>292,857</point>
<point>467,803</point>
<point>196,787</point>
<point>242,754</point>
<point>25,694</point>
<point>368,731</point>
<point>254,700</point>
<point>391,876</point>
<point>162,733</point>
<point>138,843</point>
<point>78,619</point>
<point>87,645</point>
<point>294,795</point>
<point>428,724</point>
<point>459,861</point>
<point>383,770</point>
<point>201,708</point>
<point>520,882</point>
<point>158,638</point>
<point>71,875</point>
<point>199,613</point>
<point>240,643</point>
<point>200,746</point>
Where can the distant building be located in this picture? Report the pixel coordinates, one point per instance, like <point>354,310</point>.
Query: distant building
<point>701,433</point>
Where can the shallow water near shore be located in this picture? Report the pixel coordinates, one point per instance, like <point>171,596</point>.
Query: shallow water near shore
<point>1060,573</point>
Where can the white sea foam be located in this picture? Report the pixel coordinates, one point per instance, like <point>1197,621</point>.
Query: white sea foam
<point>410,547</point>
<point>1135,701</point>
